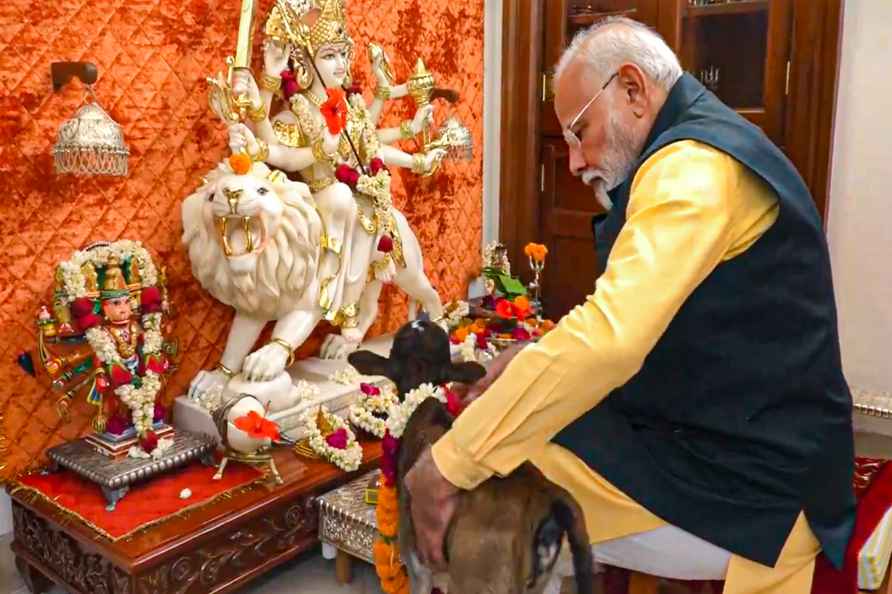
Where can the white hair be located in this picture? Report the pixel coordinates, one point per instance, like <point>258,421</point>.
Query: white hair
<point>614,41</point>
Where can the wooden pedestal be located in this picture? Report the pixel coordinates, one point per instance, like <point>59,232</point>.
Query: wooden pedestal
<point>214,549</point>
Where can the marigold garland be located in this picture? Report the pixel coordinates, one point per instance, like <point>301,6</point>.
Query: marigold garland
<point>385,552</point>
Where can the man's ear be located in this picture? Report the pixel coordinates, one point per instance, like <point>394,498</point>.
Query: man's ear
<point>369,363</point>
<point>465,373</point>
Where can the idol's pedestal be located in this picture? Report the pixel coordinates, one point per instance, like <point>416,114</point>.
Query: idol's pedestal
<point>337,397</point>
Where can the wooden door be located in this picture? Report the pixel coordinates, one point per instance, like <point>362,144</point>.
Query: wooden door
<point>563,20</point>
<point>741,51</point>
<point>566,205</point>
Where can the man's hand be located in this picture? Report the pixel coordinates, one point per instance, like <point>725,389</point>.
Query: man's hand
<point>494,369</point>
<point>433,501</point>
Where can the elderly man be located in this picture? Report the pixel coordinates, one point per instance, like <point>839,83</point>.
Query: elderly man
<point>694,404</point>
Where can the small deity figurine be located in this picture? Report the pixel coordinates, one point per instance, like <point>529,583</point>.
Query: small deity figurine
<point>120,324</point>
<point>115,351</point>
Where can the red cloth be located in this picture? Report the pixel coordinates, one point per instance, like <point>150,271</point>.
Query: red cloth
<point>873,505</point>
<point>145,503</point>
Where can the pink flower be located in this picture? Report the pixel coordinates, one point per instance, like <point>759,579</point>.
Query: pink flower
<point>160,413</point>
<point>520,333</point>
<point>369,389</point>
<point>337,439</point>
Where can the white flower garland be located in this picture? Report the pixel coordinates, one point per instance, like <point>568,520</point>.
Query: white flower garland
<point>400,414</point>
<point>347,459</point>
<point>361,413</point>
<point>140,401</point>
<point>347,375</point>
<point>73,282</point>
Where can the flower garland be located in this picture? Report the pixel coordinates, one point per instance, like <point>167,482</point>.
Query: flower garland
<point>73,281</point>
<point>385,551</point>
<point>338,446</point>
<point>139,398</point>
<point>401,413</point>
<point>373,400</point>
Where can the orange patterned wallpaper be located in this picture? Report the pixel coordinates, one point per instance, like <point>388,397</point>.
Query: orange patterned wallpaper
<point>153,56</point>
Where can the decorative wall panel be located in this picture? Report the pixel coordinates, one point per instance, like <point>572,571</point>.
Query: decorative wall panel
<point>153,57</point>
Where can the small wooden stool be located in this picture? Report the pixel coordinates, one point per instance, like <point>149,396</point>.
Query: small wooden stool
<point>347,523</point>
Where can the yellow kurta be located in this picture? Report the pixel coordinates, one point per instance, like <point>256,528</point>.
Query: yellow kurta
<point>690,208</point>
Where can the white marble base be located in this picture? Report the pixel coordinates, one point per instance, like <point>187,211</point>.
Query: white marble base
<point>337,397</point>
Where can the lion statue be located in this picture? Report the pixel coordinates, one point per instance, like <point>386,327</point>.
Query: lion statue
<point>254,242</point>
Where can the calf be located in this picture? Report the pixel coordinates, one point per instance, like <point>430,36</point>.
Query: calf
<point>506,534</point>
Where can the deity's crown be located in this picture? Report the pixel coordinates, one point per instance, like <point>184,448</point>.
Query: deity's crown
<point>114,285</point>
<point>330,28</point>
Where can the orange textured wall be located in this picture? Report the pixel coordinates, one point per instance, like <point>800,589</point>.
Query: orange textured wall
<point>153,56</point>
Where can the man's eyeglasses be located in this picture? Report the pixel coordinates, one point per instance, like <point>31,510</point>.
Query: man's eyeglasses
<point>570,136</point>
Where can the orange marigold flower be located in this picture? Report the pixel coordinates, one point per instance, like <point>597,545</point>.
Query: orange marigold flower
<point>521,307</point>
<point>240,163</point>
<point>536,251</point>
<point>461,333</point>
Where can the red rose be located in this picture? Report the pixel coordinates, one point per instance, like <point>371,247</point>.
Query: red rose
<point>89,321</point>
<point>504,309</point>
<point>289,84</point>
<point>369,389</point>
<point>149,442</point>
<point>338,439</point>
<point>453,403</point>
<point>81,307</point>
<point>117,425</point>
<point>150,300</point>
<point>385,244</point>
<point>347,175</point>
<point>120,376</point>
<point>376,165</point>
<point>157,364</point>
<point>482,343</point>
<point>354,89</point>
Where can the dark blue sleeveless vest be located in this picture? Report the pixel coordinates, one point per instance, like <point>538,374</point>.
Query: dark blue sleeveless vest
<point>740,417</point>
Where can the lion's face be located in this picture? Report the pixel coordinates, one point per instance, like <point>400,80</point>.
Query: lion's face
<point>253,239</point>
<point>246,213</point>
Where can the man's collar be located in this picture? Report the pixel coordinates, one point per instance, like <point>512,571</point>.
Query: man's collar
<point>683,94</point>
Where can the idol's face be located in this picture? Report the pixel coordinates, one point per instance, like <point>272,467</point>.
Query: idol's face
<point>333,63</point>
<point>117,310</point>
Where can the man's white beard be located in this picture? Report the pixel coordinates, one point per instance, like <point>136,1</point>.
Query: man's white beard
<point>615,165</point>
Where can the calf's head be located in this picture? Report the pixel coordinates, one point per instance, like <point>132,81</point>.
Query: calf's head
<point>420,354</point>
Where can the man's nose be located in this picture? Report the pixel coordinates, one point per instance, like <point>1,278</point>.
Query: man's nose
<point>577,161</point>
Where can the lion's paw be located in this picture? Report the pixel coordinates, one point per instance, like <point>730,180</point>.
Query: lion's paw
<point>265,363</point>
<point>338,346</point>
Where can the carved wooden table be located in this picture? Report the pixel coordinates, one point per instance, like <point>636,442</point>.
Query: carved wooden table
<point>214,549</point>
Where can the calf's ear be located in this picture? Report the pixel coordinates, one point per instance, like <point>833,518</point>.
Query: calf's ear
<point>369,363</point>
